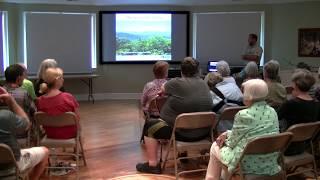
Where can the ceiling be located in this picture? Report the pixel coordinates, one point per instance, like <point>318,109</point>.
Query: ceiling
<point>154,2</point>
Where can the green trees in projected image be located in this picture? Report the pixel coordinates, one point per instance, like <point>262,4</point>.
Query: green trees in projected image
<point>155,45</point>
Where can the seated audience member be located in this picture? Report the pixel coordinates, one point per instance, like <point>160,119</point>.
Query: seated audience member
<point>251,71</point>
<point>257,120</point>
<point>15,122</point>
<point>224,69</point>
<point>151,89</point>
<point>187,94</point>
<point>15,75</point>
<point>45,64</point>
<point>277,92</point>
<point>27,84</point>
<point>54,102</point>
<point>302,108</point>
<point>303,65</point>
<point>220,99</point>
<point>212,79</point>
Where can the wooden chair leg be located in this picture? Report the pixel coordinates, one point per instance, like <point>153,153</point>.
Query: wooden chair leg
<point>175,160</point>
<point>315,170</point>
<point>82,153</point>
<point>78,145</point>
<point>167,155</point>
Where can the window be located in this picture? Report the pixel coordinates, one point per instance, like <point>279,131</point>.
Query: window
<point>223,35</point>
<point>69,38</point>
<point>4,52</point>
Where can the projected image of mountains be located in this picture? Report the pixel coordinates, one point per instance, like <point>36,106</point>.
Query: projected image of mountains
<point>143,37</point>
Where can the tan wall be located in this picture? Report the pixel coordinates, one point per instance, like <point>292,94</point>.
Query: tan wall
<point>282,22</point>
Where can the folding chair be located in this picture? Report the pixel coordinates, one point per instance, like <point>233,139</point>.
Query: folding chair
<point>189,121</point>
<point>8,160</point>
<point>264,145</point>
<point>155,106</point>
<point>228,115</point>
<point>152,112</point>
<point>304,132</point>
<point>25,142</point>
<point>66,119</point>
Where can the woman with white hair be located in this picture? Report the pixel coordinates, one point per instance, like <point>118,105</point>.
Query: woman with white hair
<point>257,120</point>
<point>45,64</point>
<point>224,69</point>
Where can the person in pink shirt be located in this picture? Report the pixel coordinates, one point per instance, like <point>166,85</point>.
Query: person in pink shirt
<point>152,88</point>
<point>54,102</point>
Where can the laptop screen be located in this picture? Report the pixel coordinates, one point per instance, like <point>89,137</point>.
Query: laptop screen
<point>212,66</point>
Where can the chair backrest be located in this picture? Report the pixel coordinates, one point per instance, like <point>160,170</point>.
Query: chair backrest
<point>195,120</point>
<point>153,108</point>
<point>304,131</point>
<point>230,112</point>
<point>6,155</point>
<point>268,144</point>
<point>8,161</point>
<point>160,101</point>
<point>265,145</point>
<point>65,119</point>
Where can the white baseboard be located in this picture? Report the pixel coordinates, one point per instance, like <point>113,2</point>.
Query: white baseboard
<point>108,96</point>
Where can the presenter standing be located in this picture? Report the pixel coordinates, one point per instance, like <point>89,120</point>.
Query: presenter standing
<point>253,51</point>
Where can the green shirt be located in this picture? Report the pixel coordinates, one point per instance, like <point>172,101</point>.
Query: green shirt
<point>257,120</point>
<point>28,86</point>
<point>277,94</point>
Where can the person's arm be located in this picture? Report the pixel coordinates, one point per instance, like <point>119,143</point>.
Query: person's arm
<point>240,128</point>
<point>283,110</point>
<point>144,97</point>
<point>15,108</point>
<point>254,58</point>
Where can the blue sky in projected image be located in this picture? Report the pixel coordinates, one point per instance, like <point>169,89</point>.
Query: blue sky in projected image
<point>139,23</point>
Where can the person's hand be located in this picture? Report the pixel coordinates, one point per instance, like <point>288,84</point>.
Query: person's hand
<point>221,139</point>
<point>5,97</point>
<point>3,91</point>
<point>162,90</point>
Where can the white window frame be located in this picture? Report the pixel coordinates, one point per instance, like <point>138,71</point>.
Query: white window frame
<point>93,35</point>
<point>5,42</point>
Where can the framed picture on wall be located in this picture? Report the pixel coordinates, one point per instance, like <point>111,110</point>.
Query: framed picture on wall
<point>309,42</point>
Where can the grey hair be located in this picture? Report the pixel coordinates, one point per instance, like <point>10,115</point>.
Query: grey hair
<point>45,64</point>
<point>271,69</point>
<point>255,90</point>
<point>251,70</point>
<point>223,68</point>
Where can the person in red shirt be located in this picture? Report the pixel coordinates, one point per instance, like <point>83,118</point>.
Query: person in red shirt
<point>54,102</point>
